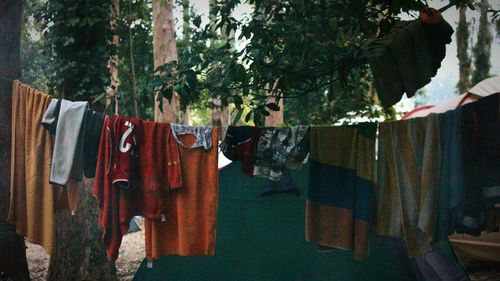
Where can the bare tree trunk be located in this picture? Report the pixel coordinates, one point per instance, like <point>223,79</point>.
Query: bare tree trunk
<point>276,118</point>
<point>13,262</point>
<point>113,62</point>
<point>132,65</point>
<point>464,60</point>
<point>164,51</point>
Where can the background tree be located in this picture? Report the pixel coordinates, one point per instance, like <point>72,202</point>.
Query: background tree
<point>464,61</point>
<point>482,49</point>
<point>79,41</point>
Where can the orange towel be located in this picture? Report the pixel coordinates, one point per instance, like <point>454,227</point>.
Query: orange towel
<point>190,224</point>
<point>32,198</point>
<point>31,195</point>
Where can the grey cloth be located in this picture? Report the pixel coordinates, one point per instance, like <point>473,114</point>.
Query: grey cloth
<point>67,155</point>
<point>203,135</point>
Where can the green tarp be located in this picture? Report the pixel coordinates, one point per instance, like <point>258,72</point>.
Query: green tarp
<point>262,239</point>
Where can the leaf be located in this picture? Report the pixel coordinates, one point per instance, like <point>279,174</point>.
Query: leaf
<point>237,100</point>
<point>237,117</point>
<point>197,21</point>
<point>248,116</point>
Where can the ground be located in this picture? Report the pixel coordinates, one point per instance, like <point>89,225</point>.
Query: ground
<point>131,255</point>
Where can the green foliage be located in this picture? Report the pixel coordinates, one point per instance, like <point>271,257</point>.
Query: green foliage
<point>307,49</point>
<point>78,36</point>
<point>482,49</point>
<point>135,29</point>
<point>464,60</point>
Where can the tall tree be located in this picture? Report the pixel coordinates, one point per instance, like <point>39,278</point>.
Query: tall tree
<point>113,62</point>
<point>464,61</point>
<point>165,51</point>
<point>80,41</point>
<point>482,49</point>
<point>13,264</point>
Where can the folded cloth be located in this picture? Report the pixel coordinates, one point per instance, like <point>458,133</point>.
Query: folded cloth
<point>189,227</point>
<point>281,148</point>
<point>68,118</point>
<point>32,196</point>
<point>341,175</point>
<point>409,157</point>
<point>240,144</point>
<point>138,166</point>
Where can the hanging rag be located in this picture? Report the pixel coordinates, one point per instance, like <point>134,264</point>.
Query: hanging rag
<point>94,121</point>
<point>281,148</point>
<point>138,165</point>
<point>68,118</point>
<point>409,158</point>
<point>202,134</point>
<point>405,59</point>
<point>341,180</point>
<point>191,216</point>
<point>481,137</point>
<point>240,144</point>
<point>32,196</point>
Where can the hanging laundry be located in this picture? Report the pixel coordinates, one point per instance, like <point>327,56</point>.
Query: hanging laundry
<point>202,134</point>
<point>481,139</point>
<point>66,120</point>
<point>94,121</point>
<point>341,180</point>
<point>159,167</point>
<point>32,197</point>
<point>240,144</point>
<point>408,179</point>
<point>190,224</point>
<point>405,59</point>
<point>451,182</point>
<point>138,165</point>
<point>281,148</point>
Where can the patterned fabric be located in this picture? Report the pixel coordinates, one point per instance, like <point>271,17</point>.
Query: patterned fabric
<point>281,148</point>
<point>338,206</point>
<point>240,144</point>
<point>203,135</point>
<point>409,157</point>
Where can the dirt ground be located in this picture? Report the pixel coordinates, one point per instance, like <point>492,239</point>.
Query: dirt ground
<point>131,255</point>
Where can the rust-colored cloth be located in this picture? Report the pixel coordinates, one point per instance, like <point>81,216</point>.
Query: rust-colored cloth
<point>191,217</point>
<point>32,196</point>
<point>137,167</point>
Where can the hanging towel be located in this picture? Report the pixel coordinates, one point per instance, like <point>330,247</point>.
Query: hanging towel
<point>190,224</point>
<point>116,205</point>
<point>338,206</point>
<point>409,157</point>
<point>31,195</point>
<point>94,122</point>
<point>240,144</point>
<point>481,164</point>
<point>281,148</point>
<point>159,166</point>
<point>69,123</point>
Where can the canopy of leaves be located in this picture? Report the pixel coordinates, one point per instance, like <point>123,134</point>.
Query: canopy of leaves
<point>308,49</point>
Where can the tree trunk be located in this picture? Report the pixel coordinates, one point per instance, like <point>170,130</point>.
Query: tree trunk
<point>482,49</point>
<point>220,114</point>
<point>276,118</point>
<point>79,253</point>
<point>164,51</point>
<point>464,61</point>
<point>113,62</point>
<point>13,263</point>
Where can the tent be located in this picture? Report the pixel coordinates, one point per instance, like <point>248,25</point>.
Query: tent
<point>263,238</point>
<point>487,246</point>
